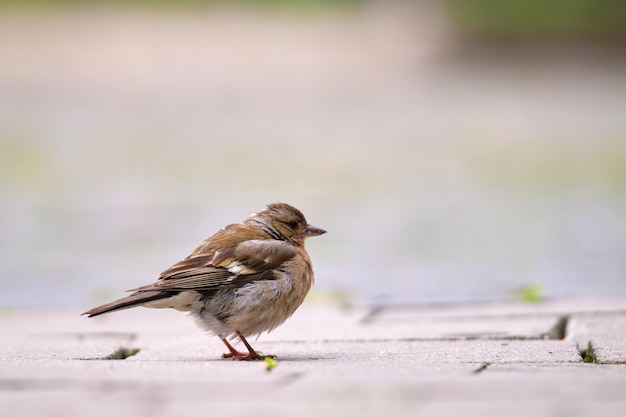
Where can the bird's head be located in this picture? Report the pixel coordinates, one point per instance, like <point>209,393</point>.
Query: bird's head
<point>285,222</point>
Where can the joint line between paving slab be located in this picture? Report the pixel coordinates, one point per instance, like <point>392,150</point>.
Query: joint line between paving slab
<point>481,368</point>
<point>539,338</point>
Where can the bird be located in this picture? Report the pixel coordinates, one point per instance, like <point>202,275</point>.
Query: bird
<point>245,279</point>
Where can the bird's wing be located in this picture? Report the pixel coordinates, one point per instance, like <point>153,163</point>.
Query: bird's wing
<point>245,262</point>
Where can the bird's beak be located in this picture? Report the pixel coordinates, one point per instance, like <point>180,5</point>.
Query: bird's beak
<point>313,231</point>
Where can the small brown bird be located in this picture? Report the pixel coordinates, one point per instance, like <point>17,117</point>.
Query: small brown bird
<point>246,279</point>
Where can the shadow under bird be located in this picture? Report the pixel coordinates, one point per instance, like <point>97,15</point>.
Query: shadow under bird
<point>245,279</point>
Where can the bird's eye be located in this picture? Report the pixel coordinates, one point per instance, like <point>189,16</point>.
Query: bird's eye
<point>293,224</point>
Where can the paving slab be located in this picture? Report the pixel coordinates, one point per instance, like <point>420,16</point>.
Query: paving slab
<point>473,359</point>
<point>605,333</point>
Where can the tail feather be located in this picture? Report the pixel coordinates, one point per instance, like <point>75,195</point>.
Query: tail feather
<point>133,300</point>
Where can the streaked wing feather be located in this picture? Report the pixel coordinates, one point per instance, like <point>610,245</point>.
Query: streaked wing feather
<point>190,263</point>
<point>200,278</point>
<point>246,262</point>
<point>254,256</point>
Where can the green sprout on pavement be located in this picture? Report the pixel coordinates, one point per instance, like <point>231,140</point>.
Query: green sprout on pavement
<point>122,353</point>
<point>589,354</point>
<point>270,363</point>
<point>531,293</point>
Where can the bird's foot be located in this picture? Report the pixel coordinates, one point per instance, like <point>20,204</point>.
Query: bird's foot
<point>251,355</point>
<point>233,354</point>
<point>247,356</point>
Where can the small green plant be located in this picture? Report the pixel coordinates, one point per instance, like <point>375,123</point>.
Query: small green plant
<point>531,293</point>
<point>270,363</point>
<point>122,353</point>
<point>589,354</point>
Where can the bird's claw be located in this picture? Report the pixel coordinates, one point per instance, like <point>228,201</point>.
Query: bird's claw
<point>249,356</point>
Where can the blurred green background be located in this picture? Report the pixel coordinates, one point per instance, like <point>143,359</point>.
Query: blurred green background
<point>541,20</point>
<point>455,151</point>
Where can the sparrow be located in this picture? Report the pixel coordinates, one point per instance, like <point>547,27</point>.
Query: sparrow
<point>246,279</point>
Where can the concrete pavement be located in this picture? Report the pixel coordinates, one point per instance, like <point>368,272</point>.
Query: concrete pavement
<point>482,359</point>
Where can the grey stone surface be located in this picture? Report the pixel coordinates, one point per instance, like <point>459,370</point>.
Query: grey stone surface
<point>605,332</point>
<point>393,361</point>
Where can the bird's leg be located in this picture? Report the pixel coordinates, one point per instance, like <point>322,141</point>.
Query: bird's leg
<point>252,354</point>
<point>232,352</point>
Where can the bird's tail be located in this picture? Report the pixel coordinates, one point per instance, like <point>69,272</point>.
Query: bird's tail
<point>136,299</point>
